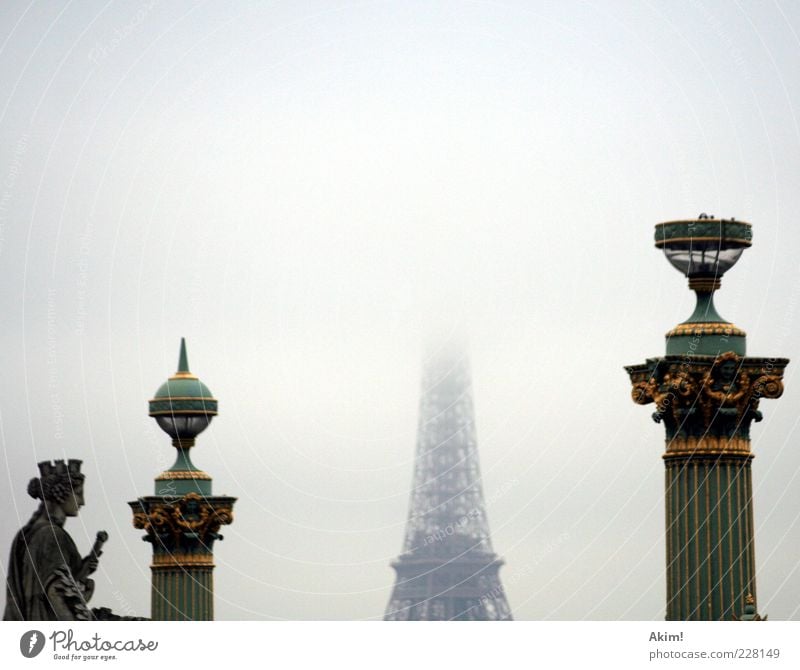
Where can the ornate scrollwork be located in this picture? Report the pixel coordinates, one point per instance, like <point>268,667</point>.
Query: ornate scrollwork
<point>643,393</point>
<point>191,517</point>
<point>700,397</point>
<point>768,386</point>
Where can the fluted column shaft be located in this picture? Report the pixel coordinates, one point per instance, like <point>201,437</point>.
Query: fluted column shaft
<point>707,404</point>
<point>709,525</point>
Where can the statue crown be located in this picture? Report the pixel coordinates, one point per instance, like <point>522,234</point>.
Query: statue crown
<point>71,469</point>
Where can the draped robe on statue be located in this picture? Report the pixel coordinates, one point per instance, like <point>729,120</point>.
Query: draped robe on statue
<point>43,575</point>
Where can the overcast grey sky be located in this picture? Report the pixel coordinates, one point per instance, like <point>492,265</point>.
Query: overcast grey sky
<point>303,190</point>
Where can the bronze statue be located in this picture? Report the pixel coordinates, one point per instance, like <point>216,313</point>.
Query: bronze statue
<point>48,579</point>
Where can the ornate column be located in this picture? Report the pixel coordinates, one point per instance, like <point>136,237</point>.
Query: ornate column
<point>706,392</point>
<point>183,518</point>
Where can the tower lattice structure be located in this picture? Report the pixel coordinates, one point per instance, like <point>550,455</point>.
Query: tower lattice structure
<point>448,569</point>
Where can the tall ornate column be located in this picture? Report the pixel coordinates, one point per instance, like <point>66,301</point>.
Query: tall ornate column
<point>183,518</point>
<point>706,392</point>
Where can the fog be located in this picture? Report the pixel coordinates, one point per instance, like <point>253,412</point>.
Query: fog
<point>306,191</point>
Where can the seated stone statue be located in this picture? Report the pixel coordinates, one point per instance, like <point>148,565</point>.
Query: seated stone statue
<point>48,579</point>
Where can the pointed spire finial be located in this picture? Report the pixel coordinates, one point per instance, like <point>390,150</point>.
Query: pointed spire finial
<point>183,360</point>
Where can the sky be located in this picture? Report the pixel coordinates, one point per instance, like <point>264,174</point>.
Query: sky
<point>307,190</point>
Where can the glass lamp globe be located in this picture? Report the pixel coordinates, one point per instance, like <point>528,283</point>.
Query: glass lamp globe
<point>183,405</point>
<point>704,247</point>
<point>183,427</point>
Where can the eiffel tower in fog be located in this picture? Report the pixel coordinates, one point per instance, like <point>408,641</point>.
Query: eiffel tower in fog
<point>448,569</point>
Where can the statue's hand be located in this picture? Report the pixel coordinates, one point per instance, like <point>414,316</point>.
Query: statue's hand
<point>89,566</point>
<point>90,563</point>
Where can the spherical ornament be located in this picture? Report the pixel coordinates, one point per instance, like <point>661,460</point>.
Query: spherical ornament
<point>183,405</point>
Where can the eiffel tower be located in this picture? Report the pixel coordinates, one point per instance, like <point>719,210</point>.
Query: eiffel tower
<point>448,569</point>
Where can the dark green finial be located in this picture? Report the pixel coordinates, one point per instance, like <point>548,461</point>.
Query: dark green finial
<point>750,613</point>
<point>183,406</point>
<point>183,360</point>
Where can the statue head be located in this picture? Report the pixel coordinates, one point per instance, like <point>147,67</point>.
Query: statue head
<point>60,483</point>
<point>727,371</point>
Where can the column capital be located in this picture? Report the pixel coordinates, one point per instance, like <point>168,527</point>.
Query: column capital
<point>707,403</point>
<point>182,525</point>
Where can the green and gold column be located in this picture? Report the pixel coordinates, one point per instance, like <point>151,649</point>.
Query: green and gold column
<point>183,518</point>
<point>706,392</point>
